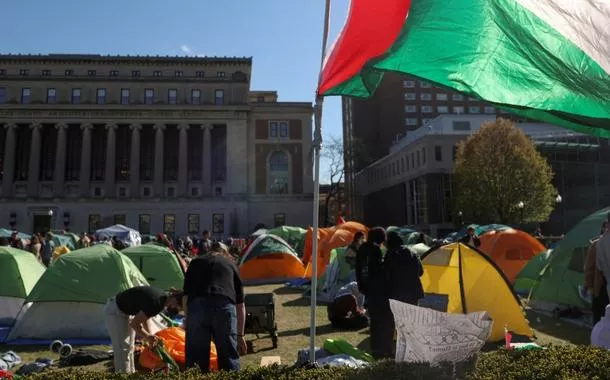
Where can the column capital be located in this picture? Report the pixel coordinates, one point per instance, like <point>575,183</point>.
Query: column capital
<point>207,127</point>
<point>35,125</point>
<point>135,127</point>
<point>160,127</point>
<point>111,126</point>
<point>10,126</point>
<point>183,127</point>
<point>88,126</point>
<point>61,126</point>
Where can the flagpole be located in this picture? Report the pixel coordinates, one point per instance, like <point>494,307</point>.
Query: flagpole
<point>317,146</point>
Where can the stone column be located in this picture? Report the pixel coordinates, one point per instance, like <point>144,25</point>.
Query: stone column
<point>85,160</point>
<point>34,165</point>
<point>158,178</point>
<point>9,160</point>
<point>110,174</point>
<point>206,175</point>
<point>134,162</point>
<point>59,174</point>
<point>183,161</point>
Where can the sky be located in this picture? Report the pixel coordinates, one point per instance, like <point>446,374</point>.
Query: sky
<point>284,37</point>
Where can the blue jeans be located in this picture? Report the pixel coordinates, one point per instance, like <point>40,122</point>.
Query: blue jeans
<point>207,319</point>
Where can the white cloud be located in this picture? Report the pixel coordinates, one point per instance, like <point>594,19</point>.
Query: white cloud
<point>186,49</point>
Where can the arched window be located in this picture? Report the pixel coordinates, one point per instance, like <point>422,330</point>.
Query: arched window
<point>278,173</point>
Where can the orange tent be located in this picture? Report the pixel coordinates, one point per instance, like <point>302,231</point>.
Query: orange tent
<point>270,259</point>
<point>510,249</point>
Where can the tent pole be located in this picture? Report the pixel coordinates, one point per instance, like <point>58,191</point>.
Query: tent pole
<point>317,146</point>
<point>461,279</point>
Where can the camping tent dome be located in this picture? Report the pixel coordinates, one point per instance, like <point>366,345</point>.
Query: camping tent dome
<point>529,276</point>
<point>126,235</point>
<point>295,236</point>
<point>19,272</point>
<point>270,259</point>
<point>511,250</point>
<point>68,300</point>
<point>158,264</point>
<point>474,274</point>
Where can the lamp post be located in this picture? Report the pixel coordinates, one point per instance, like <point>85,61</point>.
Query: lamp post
<point>460,218</point>
<point>558,201</point>
<point>521,206</point>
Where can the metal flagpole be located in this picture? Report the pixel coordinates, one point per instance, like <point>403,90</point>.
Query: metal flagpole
<point>317,146</point>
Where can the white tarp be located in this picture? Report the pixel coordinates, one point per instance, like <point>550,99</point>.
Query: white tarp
<point>426,335</point>
<point>126,235</point>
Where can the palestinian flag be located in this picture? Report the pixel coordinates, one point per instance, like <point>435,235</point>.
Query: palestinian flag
<point>547,60</point>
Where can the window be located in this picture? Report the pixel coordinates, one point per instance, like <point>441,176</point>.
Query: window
<point>2,72</point>
<point>410,109</point>
<point>219,97</point>
<point>409,84</point>
<point>260,99</point>
<point>194,191</point>
<point>442,109</point>
<point>97,191</point>
<point>149,96</point>
<point>136,73</point>
<point>458,109</point>
<point>457,97</point>
<point>24,72</point>
<point>438,153</point>
<point>91,73</point>
<point>473,99</point>
<point>45,73</point>
<point>169,224</point>
<point>418,158</point>
<point>283,130</point>
<point>76,96</point>
<point>25,95</point>
<point>411,121</point>
<point>178,73</point>
<point>193,223</point>
<point>426,109</point>
<point>474,109</point>
<point>424,84</point>
<point>95,222</point>
<point>218,224</point>
<point>51,96</point>
<point>120,219</point>
<point>423,154</point>
<point>278,129</point>
<point>101,96</point>
<point>171,191</point>
<point>69,72</point>
<point>114,73</point>
<point>220,74</point>
<point>441,96</point>
<point>410,96</point>
<point>124,96</point>
<point>218,191</point>
<point>122,191</point>
<point>200,74</point>
<point>157,73</point>
<point>146,191</point>
<point>461,125</point>
<point>278,173</point>
<point>490,110</point>
<point>144,224</point>
<point>279,220</point>
<point>172,96</point>
<point>2,95</point>
<point>195,96</point>
<point>426,96</point>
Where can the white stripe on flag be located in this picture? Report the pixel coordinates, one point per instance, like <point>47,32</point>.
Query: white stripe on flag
<point>586,23</point>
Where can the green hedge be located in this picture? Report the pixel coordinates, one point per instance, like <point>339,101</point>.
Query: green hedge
<point>565,362</point>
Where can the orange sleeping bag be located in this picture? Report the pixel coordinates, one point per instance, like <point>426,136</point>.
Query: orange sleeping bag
<point>174,341</point>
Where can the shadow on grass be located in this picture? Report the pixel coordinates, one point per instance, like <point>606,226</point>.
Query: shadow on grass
<point>321,330</point>
<point>286,290</point>
<point>365,345</point>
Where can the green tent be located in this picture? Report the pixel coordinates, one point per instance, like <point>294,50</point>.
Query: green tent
<point>68,300</point>
<point>158,264</point>
<point>19,272</point>
<point>529,276</point>
<point>295,236</point>
<point>562,277</point>
<point>337,273</point>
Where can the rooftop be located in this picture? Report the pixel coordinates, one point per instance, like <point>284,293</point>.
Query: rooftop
<point>123,58</point>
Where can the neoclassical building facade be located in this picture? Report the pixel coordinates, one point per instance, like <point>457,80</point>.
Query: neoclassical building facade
<point>160,144</point>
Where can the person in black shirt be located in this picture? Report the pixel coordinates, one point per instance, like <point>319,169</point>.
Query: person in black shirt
<point>128,313</point>
<point>214,307</point>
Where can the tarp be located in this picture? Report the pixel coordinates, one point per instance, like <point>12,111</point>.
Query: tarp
<point>295,236</point>
<point>126,235</point>
<point>561,278</point>
<point>158,264</point>
<point>511,250</point>
<point>270,259</point>
<point>461,279</point>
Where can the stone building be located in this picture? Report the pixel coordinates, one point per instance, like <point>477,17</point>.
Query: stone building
<point>172,144</point>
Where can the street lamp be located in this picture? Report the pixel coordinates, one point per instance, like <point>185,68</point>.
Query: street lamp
<point>460,218</point>
<point>50,213</point>
<point>520,206</point>
<point>558,199</point>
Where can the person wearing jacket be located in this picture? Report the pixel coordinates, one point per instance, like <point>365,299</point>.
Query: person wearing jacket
<point>403,271</point>
<point>471,238</point>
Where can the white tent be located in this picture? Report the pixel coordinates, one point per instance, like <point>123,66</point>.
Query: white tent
<point>126,235</point>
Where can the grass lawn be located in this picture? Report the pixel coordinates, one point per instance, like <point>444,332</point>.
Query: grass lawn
<point>292,317</point>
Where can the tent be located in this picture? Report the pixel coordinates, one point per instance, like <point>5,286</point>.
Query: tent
<point>529,276</point>
<point>511,250</point>
<point>19,272</point>
<point>336,274</point>
<point>560,280</point>
<point>478,230</point>
<point>67,239</point>
<point>67,302</point>
<point>158,264</point>
<point>461,279</point>
<point>270,259</point>
<point>128,236</point>
<point>8,233</point>
<point>295,236</point>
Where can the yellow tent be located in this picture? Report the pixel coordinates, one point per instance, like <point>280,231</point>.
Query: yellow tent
<point>466,280</point>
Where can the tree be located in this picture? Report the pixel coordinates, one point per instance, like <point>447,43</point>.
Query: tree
<point>333,154</point>
<point>497,168</point>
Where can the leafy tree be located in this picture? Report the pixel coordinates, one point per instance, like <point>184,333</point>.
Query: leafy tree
<point>497,168</point>
<point>333,154</point>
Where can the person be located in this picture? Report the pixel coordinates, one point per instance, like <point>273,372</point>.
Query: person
<point>214,307</point>
<point>594,281</point>
<point>403,271</point>
<point>48,249</point>
<point>128,314</point>
<point>36,246</point>
<point>15,241</point>
<point>471,238</point>
<point>370,277</point>
<point>205,244</point>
